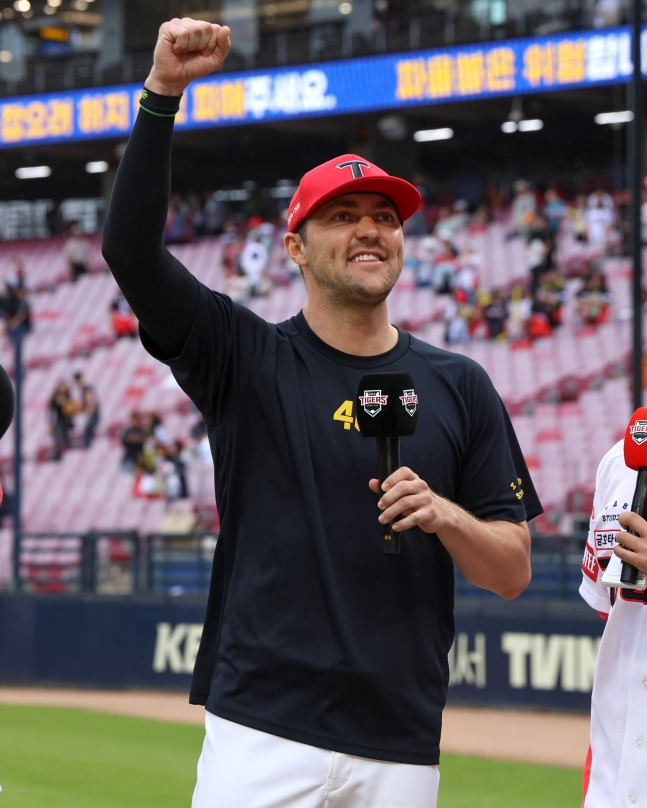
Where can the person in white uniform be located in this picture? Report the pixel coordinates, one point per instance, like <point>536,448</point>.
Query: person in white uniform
<point>615,774</point>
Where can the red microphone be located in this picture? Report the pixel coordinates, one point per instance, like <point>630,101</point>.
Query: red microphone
<point>635,448</point>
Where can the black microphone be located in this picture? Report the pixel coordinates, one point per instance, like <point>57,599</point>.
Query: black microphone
<point>6,401</point>
<point>388,411</point>
<point>635,451</point>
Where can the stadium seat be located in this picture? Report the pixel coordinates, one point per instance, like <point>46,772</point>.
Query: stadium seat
<point>560,389</point>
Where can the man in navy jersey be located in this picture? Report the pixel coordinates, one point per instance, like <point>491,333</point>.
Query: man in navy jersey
<point>323,661</point>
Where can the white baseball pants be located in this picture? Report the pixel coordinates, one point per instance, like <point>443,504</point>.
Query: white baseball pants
<point>241,767</point>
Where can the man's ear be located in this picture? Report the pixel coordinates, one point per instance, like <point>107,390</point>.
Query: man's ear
<point>294,248</point>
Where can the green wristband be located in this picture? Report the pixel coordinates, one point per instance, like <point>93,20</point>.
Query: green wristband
<point>164,106</point>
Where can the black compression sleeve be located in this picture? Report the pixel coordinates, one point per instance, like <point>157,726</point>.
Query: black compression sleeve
<point>162,292</point>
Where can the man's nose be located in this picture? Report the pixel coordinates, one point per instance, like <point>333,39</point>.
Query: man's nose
<point>367,227</point>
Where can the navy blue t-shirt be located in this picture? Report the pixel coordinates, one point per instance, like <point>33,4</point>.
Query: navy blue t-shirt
<point>312,632</point>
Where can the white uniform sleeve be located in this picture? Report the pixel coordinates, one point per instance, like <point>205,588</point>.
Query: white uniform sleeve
<point>614,487</point>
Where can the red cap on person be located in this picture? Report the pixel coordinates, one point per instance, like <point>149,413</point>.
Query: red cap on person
<point>349,174</point>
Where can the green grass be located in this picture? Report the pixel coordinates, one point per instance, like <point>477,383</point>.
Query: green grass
<point>470,782</point>
<point>59,758</point>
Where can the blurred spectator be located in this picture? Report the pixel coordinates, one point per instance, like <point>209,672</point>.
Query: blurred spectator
<point>445,267</point>
<point>88,405</point>
<point>425,258</point>
<point>263,232</point>
<point>172,468</point>
<point>178,228</point>
<point>442,229</point>
<point>232,244</point>
<point>161,474</point>
<point>149,475</point>
<point>77,251</point>
<point>593,298</point>
<point>16,312</point>
<point>123,320</point>
<point>600,216</point>
<point>157,436</point>
<point>451,221</point>
<point>541,247</point>
<point>200,442</point>
<point>480,220</point>
<point>61,410</point>
<point>600,197</point>
<point>523,210</point>
<point>577,214</point>
<point>17,277</point>
<point>495,313</point>
<point>519,313</point>
<point>251,226</point>
<point>458,317</point>
<point>6,503</point>
<point>554,210</point>
<point>253,261</point>
<point>539,326</point>
<point>468,271</point>
<point>238,286</point>
<point>155,428</point>
<point>214,216</point>
<point>550,296</point>
<point>146,483</point>
<point>132,439</point>
<point>459,218</point>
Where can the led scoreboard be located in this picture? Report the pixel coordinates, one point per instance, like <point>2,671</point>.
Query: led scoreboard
<point>470,72</point>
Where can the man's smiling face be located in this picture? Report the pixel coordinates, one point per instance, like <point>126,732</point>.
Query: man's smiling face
<point>353,248</point>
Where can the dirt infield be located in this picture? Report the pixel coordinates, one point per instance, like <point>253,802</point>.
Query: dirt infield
<point>548,737</point>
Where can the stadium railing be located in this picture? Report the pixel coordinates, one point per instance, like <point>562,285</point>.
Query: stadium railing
<point>179,564</point>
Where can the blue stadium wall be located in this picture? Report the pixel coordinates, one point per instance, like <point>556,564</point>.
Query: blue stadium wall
<point>533,654</point>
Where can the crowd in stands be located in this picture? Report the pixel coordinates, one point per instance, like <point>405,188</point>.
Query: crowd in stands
<point>447,258</point>
<point>444,257</point>
<point>247,253</point>
<point>158,462</point>
<point>72,400</point>
<point>532,306</point>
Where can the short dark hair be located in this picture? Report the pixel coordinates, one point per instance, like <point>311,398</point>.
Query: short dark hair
<point>301,230</point>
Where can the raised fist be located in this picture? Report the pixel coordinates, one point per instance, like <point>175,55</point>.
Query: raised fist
<point>186,49</point>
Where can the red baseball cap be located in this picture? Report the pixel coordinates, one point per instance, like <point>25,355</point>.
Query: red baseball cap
<point>349,174</point>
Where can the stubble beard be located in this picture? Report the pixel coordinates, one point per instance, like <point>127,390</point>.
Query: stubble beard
<point>347,291</point>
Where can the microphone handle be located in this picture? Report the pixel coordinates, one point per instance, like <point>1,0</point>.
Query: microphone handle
<point>388,460</point>
<point>629,573</point>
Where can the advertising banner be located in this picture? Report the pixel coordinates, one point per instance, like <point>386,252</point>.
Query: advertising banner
<point>446,75</point>
<point>523,656</point>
